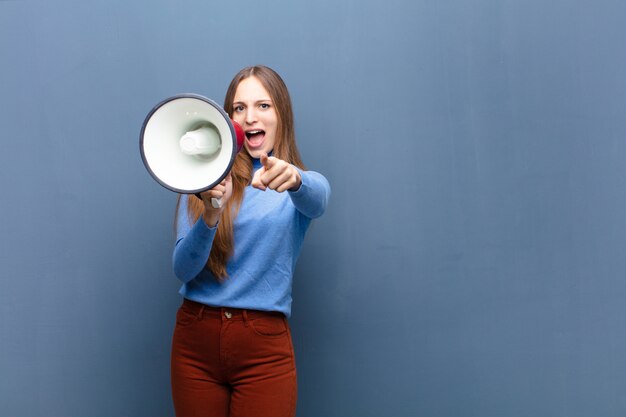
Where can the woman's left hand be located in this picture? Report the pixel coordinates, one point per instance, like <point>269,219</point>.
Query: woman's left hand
<point>276,175</point>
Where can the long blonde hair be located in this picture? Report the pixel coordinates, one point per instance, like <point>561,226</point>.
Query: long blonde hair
<point>285,148</point>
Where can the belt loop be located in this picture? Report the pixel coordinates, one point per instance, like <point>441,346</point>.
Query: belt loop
<point>201,312</point>
<point>245,317</point>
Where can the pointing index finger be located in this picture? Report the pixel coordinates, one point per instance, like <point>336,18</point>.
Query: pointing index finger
<point>265,161</point>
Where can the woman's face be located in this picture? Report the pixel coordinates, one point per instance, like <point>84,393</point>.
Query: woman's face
<point>254,110</point>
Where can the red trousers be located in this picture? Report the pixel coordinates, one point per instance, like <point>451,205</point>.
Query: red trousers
<point>232,363</point>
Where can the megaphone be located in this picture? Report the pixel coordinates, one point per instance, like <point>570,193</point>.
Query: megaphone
<point>188,144</point>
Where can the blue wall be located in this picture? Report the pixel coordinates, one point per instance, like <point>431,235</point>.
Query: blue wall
<point>471,263</point>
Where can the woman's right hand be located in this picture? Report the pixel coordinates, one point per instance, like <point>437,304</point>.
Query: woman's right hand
<point>222,191</point>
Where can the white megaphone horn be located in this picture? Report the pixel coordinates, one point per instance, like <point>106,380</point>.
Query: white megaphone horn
<point>189,144</point>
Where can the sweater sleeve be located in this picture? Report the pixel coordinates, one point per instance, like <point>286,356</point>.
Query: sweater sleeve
<point>312,197</point>
<point>193,244</point>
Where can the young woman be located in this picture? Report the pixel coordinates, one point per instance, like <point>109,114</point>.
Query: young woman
<point>232,353</point>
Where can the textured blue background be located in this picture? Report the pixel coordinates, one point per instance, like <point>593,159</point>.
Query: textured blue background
<point>473,257</point>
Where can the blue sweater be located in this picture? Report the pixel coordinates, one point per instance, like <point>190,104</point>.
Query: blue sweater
<point>268,234</point>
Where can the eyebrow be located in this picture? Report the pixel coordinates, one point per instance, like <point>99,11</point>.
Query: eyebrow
<point>267,100</point>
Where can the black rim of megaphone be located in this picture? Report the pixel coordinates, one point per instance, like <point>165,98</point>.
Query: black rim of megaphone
<point>230,126</point>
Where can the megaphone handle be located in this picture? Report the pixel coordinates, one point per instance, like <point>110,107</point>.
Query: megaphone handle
<point>215,202</point>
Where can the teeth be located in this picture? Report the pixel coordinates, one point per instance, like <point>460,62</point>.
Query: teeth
<point>253,132</point>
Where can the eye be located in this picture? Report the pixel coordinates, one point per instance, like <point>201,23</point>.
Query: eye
<point>264,106</point>
<point>238,108</point>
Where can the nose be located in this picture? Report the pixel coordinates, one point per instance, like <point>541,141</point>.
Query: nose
<point>251,116</point>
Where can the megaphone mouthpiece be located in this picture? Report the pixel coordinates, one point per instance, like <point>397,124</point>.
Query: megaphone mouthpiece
<point>202,142</point>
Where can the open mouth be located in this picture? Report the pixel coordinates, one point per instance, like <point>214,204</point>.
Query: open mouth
<point>255,137</point>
